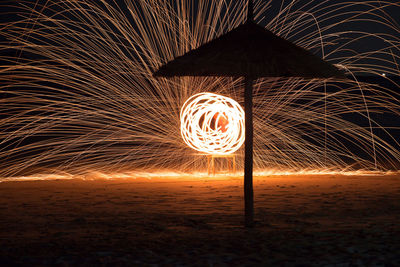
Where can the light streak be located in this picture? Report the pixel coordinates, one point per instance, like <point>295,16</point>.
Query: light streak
<point>78,93</point>
<point>212,123</point>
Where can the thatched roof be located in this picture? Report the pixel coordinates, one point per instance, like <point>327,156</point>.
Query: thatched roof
<point>249,50</point>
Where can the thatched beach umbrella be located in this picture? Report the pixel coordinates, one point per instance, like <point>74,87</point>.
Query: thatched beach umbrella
<point>252,52</point>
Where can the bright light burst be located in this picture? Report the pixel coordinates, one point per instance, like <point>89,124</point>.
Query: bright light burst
<point>212,123</point>
<point>78,93</point>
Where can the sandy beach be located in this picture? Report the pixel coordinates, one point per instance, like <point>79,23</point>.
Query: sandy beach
<point>302,220</point>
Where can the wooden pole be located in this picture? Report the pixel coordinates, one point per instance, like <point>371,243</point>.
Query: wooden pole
<point>248,143</point>
<point>250,11</point>
<point>248,153</point>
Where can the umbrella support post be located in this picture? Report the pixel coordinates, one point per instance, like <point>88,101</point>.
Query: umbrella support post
<point>248,153</point>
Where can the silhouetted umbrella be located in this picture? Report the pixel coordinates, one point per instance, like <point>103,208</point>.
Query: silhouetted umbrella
<point>252,52</point>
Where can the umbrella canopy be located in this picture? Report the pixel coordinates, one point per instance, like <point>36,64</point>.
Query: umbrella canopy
<point>249,50</point>
<point>252,52</point>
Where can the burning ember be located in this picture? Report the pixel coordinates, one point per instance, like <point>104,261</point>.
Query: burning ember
<point>212,123</point>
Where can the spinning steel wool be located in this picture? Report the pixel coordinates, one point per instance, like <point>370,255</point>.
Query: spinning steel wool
<point>212,124</point>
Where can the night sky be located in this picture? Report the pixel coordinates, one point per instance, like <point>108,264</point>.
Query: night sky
<point>304,5</point>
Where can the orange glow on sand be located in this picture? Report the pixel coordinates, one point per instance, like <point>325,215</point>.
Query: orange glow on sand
<point>176,175</point>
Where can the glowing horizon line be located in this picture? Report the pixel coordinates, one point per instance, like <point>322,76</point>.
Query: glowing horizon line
<point>95,175</point>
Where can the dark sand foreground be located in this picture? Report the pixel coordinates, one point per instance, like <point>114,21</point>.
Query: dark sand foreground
<point>329,220</point>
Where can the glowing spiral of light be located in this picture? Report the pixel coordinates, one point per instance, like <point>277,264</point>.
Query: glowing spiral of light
<point>212,123</point>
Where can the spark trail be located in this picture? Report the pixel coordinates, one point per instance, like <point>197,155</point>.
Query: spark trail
<point>78,93</point>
